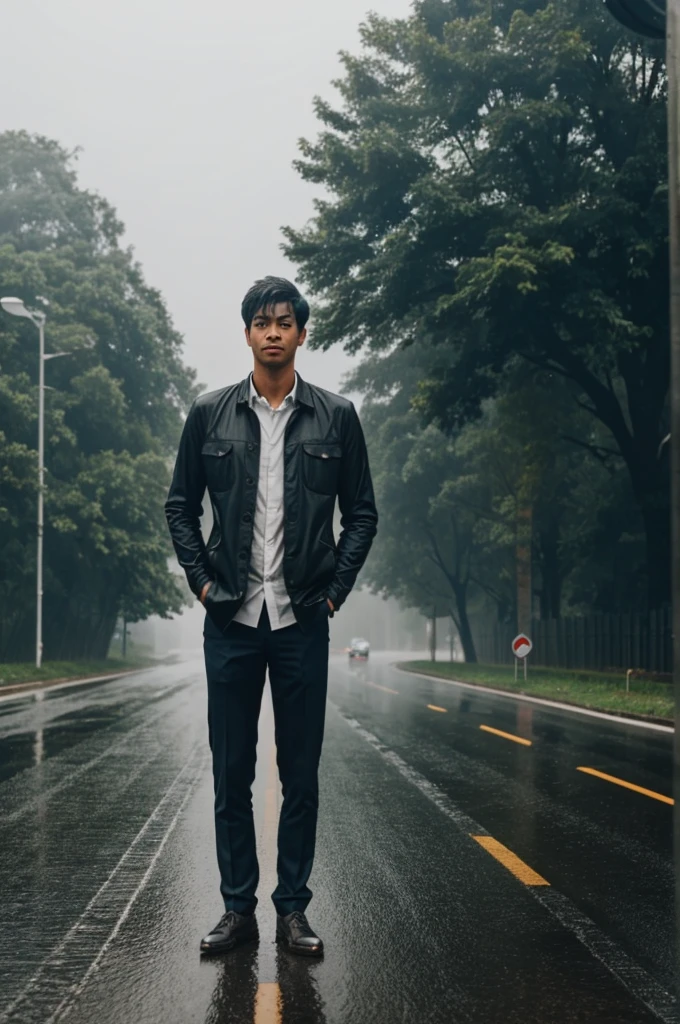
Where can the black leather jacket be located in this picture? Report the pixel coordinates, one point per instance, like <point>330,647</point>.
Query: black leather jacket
<point>324,458</point>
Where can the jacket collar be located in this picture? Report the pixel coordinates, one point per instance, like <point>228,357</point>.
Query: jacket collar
<point>303,392</point>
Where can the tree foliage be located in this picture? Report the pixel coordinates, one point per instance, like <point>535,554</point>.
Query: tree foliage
<point>450,504</point>
<point>496,178</point>
<point>113,412</point>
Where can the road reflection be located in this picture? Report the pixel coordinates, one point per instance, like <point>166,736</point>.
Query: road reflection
<point>359,668</point>
<point>301,1001</point>
<point>234,999</point>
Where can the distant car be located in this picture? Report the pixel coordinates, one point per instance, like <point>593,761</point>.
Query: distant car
<point>359,648</point>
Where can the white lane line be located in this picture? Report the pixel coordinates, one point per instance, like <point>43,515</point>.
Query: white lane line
<point>633,977</point>
<point>60,978</point>
<point>481,689</point>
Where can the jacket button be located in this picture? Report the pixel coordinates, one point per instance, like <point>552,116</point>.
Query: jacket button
<point>249,480</point>
<point>250,447</point>
<point>247,517</point>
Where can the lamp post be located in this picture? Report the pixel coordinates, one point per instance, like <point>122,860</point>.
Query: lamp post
<point>16,308</point>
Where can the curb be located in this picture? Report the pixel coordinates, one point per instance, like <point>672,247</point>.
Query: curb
<point>622,716</point>
<point>16,689</point>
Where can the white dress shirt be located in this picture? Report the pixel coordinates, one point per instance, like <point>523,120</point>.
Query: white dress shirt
<point>265,577</point>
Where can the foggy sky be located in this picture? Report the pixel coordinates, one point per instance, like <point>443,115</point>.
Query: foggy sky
<point>188,113</point>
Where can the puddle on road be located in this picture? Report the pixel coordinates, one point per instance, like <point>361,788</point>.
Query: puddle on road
<point>23,750</point>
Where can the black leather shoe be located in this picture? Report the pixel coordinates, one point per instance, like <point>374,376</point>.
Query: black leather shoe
<point>231,930</point>
<point>294,931</point>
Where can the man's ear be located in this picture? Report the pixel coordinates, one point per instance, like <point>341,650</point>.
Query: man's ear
<point>303,335</point>
<point>247,334</point>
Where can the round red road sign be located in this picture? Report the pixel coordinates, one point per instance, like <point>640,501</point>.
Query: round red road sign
<point>521,646</point>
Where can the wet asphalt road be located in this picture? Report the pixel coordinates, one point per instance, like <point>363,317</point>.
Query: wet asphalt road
<point>461,875</point>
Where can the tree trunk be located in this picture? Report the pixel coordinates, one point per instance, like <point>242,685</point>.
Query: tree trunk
<point>551,576</point>
<point>651,487</point>
<point>524,591</point>
<point>82,627</point>
<point>433,636</point>
<point>463,624</point>
<point>18,636</point>
<point>657,524</point>
<point>647,388</point>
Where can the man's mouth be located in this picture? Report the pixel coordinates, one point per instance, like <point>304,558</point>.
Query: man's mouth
<point>273,348</point>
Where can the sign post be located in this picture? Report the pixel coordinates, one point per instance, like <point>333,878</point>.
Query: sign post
<point>521,648</point>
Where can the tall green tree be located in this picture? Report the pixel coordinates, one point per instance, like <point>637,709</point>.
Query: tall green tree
<point>113,412</point>
<point>426,556</point>
<point>496,179</point>
<point>451,505</point>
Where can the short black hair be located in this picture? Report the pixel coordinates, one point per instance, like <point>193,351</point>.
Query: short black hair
<point>264,295</point>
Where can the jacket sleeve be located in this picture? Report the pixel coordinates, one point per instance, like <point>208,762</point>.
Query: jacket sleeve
<point>183,508</point>
<point>359,516</point>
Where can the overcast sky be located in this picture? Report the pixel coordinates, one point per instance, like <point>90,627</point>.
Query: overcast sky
<point>188,113</point>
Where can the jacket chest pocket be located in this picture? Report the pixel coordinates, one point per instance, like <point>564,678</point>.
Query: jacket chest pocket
<point>321,466</point>
<point>218,465</point>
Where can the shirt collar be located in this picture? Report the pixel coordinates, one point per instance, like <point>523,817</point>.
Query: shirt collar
<point>290,398</point>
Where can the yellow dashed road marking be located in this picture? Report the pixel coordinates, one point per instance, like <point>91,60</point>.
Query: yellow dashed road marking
<point>268,997</point>
<point>268,1004</point>
<point>628,785</point>
<point>433,707</point>
<point>386,689</point>
<point>506,735</point>
<point>510,860</point>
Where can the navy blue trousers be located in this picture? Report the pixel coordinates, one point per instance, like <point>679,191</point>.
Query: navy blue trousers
<point>236,662</point>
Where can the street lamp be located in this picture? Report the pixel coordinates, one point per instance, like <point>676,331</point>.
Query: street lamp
<point>16,307</point>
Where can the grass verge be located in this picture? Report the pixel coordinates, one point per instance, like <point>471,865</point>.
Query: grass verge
<point>26,672</point>
<point>600,691</point>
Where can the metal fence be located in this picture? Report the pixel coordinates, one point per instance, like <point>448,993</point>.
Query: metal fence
<point>596,642</point>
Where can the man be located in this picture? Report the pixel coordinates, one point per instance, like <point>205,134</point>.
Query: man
<point>274,454</point>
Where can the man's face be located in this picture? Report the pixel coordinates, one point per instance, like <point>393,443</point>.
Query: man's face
<point>274,336</point>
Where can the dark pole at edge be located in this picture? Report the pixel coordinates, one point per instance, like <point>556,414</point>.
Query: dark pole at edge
<point>673,71</point>
<point>646,17</point>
